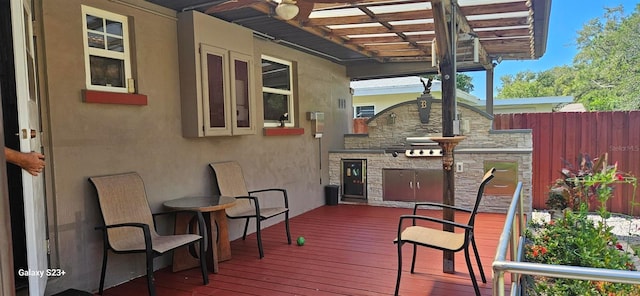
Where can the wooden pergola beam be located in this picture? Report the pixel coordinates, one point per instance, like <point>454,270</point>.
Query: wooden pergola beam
<point>265,8</point>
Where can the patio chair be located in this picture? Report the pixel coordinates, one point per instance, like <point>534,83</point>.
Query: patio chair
<point>440,239</point>
<point>128,224</point>
<point>230,182</point>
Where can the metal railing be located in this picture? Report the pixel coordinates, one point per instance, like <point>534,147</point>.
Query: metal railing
<point>512,240</point>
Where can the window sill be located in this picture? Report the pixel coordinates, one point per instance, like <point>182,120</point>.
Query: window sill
<point>283,131</point>
<point>103,97</point>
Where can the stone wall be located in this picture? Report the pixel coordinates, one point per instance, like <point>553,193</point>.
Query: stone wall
<point>482,144</point>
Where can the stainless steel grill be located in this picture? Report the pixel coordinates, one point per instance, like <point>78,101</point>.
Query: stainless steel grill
<point>422,147</point>
<point>418,147</point>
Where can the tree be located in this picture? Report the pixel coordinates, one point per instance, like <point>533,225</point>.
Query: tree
<point>464,82</point>
<point>608,62</point>
<point>527,84</point>
<point>605,73</point>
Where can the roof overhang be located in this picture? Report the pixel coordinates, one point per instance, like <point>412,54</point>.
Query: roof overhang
<point>374,38</point>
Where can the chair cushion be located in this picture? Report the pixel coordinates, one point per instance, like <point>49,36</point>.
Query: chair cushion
<point>161,243</point>
<point>434,237</point>
<point>264,213</point>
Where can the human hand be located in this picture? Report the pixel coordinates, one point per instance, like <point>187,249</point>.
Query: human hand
<point>32,162</point>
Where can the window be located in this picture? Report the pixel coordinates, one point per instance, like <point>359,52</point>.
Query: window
<point>364,111</point>
<point>277,91</point>
<point>106,49</point>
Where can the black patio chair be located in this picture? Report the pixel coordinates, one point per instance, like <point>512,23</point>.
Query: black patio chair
<point>440,239</point>
<point>129,226</point>
<point>230,182</point>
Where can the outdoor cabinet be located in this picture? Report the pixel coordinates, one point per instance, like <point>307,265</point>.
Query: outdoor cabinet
<point>412,185</point>
<point>506,177</point>
<point>227,101</point>
<point>216,77</point>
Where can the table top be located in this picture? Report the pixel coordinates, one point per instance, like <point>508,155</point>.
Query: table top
<point>201,203</point>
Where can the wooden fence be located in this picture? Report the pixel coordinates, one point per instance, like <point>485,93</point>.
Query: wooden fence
<point>563,136</point>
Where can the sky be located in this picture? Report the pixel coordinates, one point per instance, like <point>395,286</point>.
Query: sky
<point>567,18</point>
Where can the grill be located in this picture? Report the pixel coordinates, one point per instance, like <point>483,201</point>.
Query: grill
<point>418,147</point>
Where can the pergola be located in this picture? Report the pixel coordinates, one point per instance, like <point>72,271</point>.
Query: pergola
<point>385,38</point>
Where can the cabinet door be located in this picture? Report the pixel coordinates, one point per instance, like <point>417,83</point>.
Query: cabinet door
<point>242,96</point>
<point>398,184</point>
<point>429,185</point>
<point>216,100</point>
<point>506,178</point>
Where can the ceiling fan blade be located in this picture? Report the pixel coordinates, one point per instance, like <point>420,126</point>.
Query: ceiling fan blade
<point>305,8</point>
<point>230,5</point>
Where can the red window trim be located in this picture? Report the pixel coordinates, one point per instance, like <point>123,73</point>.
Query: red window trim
<point>104,97</point>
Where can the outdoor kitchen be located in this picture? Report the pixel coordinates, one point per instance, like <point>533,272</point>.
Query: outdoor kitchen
<point>399,162</point>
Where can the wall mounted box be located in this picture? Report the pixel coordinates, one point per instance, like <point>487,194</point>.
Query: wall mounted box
<point>317,123</point>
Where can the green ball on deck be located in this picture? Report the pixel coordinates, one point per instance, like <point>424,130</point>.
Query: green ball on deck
<point>300,241</point>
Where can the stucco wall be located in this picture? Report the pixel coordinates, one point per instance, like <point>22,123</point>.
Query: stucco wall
<point>481,145</point>
<point>97,139</point>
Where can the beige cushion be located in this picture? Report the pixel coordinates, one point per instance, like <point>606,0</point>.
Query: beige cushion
<point>434,237</point>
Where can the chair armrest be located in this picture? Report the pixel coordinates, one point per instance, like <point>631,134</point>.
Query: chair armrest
<point>145,231</point>
<point>131,224</point>
<point>283,191</point>
<point>201,224</point>
<point>433,204</point>
<point>432,219</point>
<point>255,201</point>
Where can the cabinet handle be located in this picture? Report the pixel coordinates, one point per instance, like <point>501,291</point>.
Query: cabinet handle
<point>418,185</point>
<point>411,184</point>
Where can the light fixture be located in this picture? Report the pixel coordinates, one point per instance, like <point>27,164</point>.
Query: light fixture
<point>287,10</point>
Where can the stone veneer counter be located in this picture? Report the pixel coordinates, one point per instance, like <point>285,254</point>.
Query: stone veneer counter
<point>466,182</point>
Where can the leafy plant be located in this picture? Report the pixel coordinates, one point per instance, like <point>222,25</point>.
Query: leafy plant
<point>589,181</point>
<point>575,240</point>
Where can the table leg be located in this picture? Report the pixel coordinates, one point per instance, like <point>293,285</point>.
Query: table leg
<point>182,260</point>
<point>224,246</point>
<point>212,251</point>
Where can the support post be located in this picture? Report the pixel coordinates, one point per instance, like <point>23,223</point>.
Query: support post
<point>443,24</point>
<point>447,144</point>
<point>489,84</point>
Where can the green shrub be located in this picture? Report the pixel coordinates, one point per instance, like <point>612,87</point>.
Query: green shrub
<point>575,240</point>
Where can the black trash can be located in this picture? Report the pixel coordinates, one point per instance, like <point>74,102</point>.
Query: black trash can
<point>331,195</point>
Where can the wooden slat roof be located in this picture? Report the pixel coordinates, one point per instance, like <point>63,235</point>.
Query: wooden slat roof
<point>393,35</point>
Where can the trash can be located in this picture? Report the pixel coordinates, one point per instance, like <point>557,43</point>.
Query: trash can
<point>331,195</point>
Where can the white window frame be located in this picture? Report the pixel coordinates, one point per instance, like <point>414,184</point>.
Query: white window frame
<point>89,51</point>
<point>292,120</point>
<point>355,109</point>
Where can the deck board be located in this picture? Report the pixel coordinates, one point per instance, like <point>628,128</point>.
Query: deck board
<point>349,250</point>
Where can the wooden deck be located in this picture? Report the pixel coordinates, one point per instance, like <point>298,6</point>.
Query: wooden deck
<point>349,250</point>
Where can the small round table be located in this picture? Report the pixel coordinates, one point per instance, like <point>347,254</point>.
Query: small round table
<point>212,208</point>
